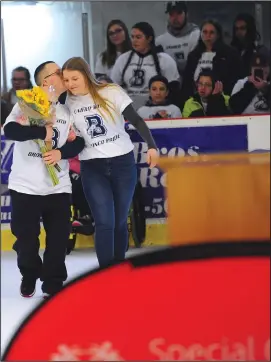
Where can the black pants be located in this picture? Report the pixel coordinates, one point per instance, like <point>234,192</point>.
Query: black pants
<point>55,211</point>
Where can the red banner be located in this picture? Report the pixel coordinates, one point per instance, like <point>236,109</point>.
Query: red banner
<point>200,303</point>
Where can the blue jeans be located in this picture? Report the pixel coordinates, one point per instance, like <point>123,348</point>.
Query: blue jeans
<point>109,185</point>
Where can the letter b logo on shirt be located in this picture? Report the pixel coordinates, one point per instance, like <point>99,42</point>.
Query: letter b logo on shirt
<point>55,138</point>
<point>95,126</point>
<point>138,79</point>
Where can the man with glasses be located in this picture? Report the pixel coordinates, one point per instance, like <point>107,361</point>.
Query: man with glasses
<point>209,100</point>
<point>33,195</point>
<point>20,79</point>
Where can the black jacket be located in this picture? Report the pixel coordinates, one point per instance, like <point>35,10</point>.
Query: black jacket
<point>226,67</point>
<point>241,100</point>
<point>247,54</point>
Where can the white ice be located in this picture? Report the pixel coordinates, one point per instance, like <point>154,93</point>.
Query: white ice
<point>14,308</point>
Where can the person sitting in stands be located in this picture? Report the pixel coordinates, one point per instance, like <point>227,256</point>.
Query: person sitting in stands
<point>209,100</point>
<point>251,95</point>
<point>158,106</point>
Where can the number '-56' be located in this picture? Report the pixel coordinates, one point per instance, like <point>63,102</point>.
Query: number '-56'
<point>159,205</point>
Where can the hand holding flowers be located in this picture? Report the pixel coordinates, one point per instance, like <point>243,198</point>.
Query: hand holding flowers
<point>37,110</point>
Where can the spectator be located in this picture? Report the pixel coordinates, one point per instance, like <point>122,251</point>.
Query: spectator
<point>211,52</point>
<point>20,80</point>
<point>181,36</point>
<point>209,100</point>
<point>104,79</point>
<point>4,111</point>
<point>251,95</point>
<point>118,42</point>
<point>83,213</point>
<point>245,39</point>
<point>158,106</point>
<point>134,69</point>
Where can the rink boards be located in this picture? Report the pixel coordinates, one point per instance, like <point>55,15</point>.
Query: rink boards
<point>173,137</point>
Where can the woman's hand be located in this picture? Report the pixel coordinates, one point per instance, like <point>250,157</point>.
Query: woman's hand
<point>258,83</point>
<point>22,120</point>
<point>152,157</point>
<point>52,157</point>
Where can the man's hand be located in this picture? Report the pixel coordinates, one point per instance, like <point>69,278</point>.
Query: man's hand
<point>163,114</point>
<point>52,157</point>
<point>71,136</point>
<point>49,133</point>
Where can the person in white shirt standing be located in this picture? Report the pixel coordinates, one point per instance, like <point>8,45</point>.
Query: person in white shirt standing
<point>134,69</point>
<point>33,195</point>
<point>108,168</point>
<point>118,42</point>
<point>181,36</point>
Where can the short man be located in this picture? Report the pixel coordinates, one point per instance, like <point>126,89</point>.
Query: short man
<point>33,195</point>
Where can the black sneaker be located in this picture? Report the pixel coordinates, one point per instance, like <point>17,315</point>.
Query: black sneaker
<point>49,289</point>
<point>47,295</point>
<point>28,288</point>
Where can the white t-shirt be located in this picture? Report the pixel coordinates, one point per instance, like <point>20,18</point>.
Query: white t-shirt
<point>258,105</point>
<point>101,68</point>
<point>29,174</point>
<point>206,61</point>
<point>104,137</point>
<point>179,47</point>
<point>139,72</point>
<point>159,111</point>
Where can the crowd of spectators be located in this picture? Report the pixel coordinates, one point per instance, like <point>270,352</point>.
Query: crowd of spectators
<point>189,71</point>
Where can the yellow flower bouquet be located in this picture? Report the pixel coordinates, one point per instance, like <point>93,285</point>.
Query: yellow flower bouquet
<point>38,110</point>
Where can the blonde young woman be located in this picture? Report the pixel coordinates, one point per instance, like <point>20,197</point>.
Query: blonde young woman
<point>108,168</point>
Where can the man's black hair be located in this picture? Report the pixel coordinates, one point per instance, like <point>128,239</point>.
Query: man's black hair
<point>23,69</point>
<point>26,73</point>
<point>39,69</point>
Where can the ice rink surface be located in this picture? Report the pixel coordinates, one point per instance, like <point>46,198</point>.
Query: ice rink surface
<point>14,308</point>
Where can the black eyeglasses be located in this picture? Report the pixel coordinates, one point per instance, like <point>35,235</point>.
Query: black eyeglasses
<point>19,79</point>
<point>204,85</point>
<point>57,72</point>
<point>117,31</point>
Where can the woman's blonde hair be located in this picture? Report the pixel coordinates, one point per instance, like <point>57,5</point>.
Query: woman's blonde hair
<point>79,64</point>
